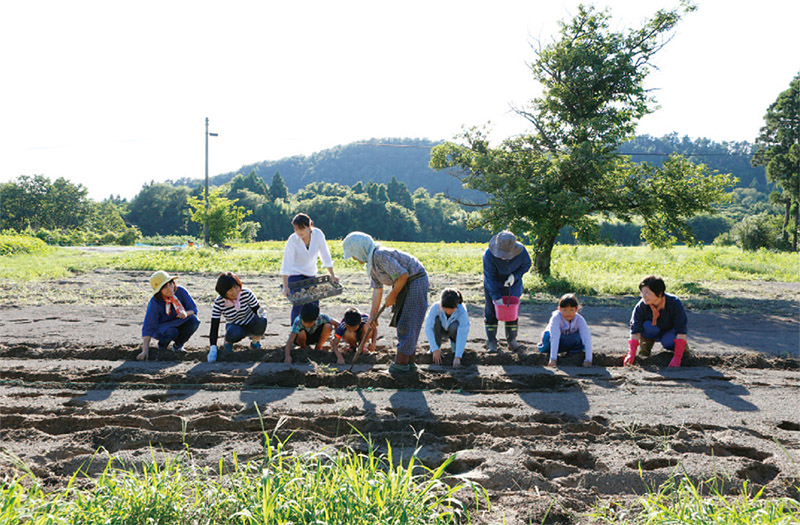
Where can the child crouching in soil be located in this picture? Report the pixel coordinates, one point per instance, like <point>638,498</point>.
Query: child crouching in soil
<point>240,308</point>
<point>308,328</point>
<point>171,315</point>
<point>447,319</point>
<point>567,332</point>
<point>351,331</point>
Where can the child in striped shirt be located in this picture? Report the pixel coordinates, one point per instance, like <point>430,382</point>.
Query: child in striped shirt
<point>308,328</point>
<point>351,331</point>
<point>240,308</point>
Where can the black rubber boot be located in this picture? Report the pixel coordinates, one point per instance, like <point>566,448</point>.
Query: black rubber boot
<point>511,336</point>
<point>491,338</point>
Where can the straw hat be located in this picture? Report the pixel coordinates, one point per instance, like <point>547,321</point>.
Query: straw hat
<point>505,246</point>
<point>159,279</point>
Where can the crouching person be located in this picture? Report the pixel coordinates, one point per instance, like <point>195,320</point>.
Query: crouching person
<point>309,328</point>
<point>447,319</point>
<point>171,315</point>
<point>240,308</point>
<point>658,316</point>
<point>351,331</point>
<point>567,332</point>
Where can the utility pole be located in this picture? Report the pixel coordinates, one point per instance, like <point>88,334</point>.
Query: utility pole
<point>205,226</point>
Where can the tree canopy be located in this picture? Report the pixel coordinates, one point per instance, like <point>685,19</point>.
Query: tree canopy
<point>568,171</point>
<point>778,148</point>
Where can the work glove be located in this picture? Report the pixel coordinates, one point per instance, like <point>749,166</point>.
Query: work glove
<point>509,282</point>
<point>212,354</point>
<point>633,344</point>
<point>680,347</point>
<point>498,302</point>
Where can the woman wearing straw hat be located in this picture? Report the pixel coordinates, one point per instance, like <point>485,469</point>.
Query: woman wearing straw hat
<point>504,263</point>
<point>409,293</point>
<point>171,315</point>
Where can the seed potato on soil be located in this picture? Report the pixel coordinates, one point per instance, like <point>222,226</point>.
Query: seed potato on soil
<point>529,434</point>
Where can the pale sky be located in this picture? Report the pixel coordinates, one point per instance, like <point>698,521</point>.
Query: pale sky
<point>114,94</point>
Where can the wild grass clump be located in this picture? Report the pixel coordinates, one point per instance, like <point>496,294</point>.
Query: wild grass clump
<point>681,501</point>
<point>333,487</point>
<point>15,244</point>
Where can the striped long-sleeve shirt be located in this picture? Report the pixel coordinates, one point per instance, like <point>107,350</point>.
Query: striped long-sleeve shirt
<point>248,309</point>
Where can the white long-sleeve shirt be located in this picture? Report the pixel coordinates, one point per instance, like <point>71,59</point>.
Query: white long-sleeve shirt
<point>299,260</point>
<point>459,315</point>
<point>558,325</point>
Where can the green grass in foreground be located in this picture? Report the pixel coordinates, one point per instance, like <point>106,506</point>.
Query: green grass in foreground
<point>341,487</point>
<point>680,501</point>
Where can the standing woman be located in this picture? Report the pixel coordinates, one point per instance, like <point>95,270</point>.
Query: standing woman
<point>300,256</point>
<point>409,293</point>
<point>504,264</point>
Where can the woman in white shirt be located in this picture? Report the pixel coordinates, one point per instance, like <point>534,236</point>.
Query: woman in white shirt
<point>300,255</point>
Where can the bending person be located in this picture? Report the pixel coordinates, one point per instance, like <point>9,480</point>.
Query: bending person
<point>504,264</point>
<point>409,293</point>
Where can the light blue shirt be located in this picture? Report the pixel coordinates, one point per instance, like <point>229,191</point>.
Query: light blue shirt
<point>459,315</point>
<point>558,326</point>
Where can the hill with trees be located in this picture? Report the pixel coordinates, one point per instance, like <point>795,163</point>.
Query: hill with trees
<point>378,160</point>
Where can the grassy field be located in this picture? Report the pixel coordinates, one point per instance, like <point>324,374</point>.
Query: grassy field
<point>586,270</point>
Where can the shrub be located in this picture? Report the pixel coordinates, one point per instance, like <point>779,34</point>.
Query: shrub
<point>14,243</point>
<point>757,231</point>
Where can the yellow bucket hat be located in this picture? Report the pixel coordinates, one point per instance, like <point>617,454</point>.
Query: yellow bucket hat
<point>159,279</point>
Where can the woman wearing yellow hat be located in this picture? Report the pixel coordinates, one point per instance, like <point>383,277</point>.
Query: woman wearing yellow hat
<point>171,315</point>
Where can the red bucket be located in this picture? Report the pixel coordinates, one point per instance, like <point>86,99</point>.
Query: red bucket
<point>509,310</point>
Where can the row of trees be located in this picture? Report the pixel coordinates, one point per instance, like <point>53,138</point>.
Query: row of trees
<point>59,212</point>
<point>386,211</point>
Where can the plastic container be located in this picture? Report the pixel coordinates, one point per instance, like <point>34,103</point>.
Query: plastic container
<point>509,310</point>
<point>314,289</point>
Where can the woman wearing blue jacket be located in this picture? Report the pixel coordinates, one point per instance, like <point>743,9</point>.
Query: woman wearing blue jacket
<point>504,263</point>
<point>171,315</point>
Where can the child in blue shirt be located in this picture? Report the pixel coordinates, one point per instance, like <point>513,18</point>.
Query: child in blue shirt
<point>567,332</point>
<point>447,319</point>
<point>308,328</point>
<point>351,331</point>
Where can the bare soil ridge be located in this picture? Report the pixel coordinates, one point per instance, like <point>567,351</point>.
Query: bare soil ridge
<point>528,433</point>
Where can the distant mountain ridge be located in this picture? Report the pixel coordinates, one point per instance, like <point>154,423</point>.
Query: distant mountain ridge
<point>407,159</point>
<point>376,160</point>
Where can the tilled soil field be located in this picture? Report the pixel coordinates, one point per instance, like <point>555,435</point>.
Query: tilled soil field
<point>529,434</point>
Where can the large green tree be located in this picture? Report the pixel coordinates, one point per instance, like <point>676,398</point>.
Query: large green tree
<point>567,171</point>
<point>778,148</point>
<point>161,209</point>
<point>36,202</point>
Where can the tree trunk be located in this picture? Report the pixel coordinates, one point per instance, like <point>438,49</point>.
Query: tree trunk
<point>786,216</point>
<point>543,250</point>
<point>796,226</point>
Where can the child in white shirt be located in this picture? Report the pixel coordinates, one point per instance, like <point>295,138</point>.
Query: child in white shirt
<point>567,332</point>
